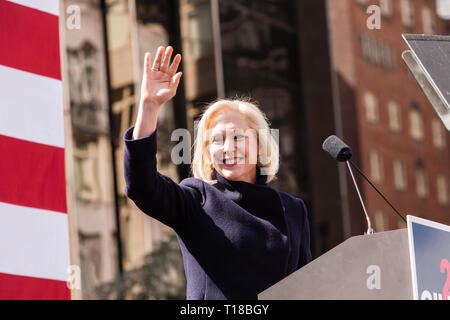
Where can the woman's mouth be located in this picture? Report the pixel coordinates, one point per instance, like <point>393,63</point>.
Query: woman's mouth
<point>232,162</point>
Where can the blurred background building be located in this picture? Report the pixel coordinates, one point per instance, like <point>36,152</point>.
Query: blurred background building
<point>315,68</point>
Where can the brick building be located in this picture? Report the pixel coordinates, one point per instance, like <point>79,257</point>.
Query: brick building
<point>399,140</point>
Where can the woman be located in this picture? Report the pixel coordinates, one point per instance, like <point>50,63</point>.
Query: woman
<point>238,236</point>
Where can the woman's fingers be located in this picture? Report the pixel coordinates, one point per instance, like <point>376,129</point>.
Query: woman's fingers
<point>162,62</point>
<point>157,63</point>
<point>174,66</point>
<point>176,80</point>
<point>166,61</point>
<point>147,62</point>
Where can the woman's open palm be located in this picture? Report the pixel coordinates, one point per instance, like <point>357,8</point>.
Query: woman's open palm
<point>160,80</point>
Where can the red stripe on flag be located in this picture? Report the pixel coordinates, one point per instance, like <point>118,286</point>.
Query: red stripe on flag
<point>13,287</point>
<point>32,174</point>
<point>29,40</point>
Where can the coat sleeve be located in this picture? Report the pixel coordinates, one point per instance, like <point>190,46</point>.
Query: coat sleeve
<point>154,193</point>
<point>305,244</point>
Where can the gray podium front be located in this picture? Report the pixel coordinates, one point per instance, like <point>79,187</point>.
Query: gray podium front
<point>368,267</point>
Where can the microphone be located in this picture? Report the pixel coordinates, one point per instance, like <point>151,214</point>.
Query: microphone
<point>337,149</point>
<point>342,153</point>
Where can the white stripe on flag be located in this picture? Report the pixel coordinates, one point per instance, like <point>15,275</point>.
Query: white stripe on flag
<point>31,107</point>
<point>49,6</point>
<point>34,242</point>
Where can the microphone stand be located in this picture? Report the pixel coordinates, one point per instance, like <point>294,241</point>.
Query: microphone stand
<point>342,153</point>
<point>379,192</point>
<point>369,224</point>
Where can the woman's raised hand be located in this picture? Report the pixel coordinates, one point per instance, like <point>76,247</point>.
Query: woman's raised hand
<point>159,85</point>
<point>160,80</point>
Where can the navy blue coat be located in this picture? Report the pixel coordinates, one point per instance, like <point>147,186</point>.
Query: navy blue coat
<point>237,238</point>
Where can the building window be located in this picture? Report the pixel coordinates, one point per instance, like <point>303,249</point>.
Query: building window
<point>427,20</point>
<point>381,223</point>
<point>442,189</point>
<point>421,183</point>
<point>416,125</point>
<point>400,177</point>
<point>386,8</point>
<point>395,117</point>
<point>200,34</point>
<point>377,52</point>
<point>376,166</point>
<point>387,56</point>
<point>371,107</point>
<point>407,13</point>
<point>367,48</point>
<point>438,133</point>
<point>363,3</point>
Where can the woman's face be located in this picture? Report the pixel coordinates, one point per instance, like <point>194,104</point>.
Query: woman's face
<point>233,147</point>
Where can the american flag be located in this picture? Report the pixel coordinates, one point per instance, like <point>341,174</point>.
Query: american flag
<point>34,233</point>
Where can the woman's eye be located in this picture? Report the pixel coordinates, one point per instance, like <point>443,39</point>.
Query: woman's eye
<point>220,139</point>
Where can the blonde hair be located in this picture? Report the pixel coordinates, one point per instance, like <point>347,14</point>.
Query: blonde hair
<point>202,168</point>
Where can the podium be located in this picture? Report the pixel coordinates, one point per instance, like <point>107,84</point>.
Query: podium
<point>366,267</point>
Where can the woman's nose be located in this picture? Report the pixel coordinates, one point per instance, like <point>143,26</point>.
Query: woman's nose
<point>229,145</point>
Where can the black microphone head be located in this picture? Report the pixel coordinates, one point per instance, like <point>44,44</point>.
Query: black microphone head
<point>337,149</point>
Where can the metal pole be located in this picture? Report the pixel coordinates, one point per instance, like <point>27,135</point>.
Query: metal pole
<point>369,225</point>
<point>215,19</point>
<point>179,101</point>
<point>113,147</point>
